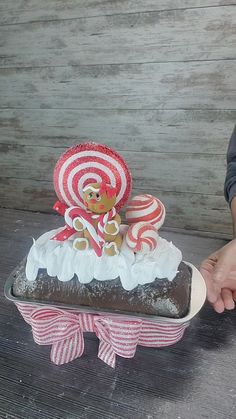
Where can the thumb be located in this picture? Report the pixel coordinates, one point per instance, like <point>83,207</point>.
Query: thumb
<point>222,269</point>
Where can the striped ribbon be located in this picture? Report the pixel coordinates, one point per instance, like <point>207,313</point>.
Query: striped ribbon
<point>63,329</point>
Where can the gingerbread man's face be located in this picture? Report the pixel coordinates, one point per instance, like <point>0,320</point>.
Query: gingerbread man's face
<point>97,199</point>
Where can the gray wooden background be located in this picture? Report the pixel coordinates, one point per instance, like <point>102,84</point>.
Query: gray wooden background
<point>156,79</point>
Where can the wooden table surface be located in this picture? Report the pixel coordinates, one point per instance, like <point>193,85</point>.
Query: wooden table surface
<point>196,378</point>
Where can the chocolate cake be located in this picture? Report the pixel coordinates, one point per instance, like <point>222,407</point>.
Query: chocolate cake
<point>94,261</point>
<point>161,297</point>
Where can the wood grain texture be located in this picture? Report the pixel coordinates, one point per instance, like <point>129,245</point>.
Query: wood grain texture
<point>193,379</point>
<point>27,194</point>
<point>186,85</point>
<point>72,76</point>
<point>141,37</point>
<point>197,173</point>
<point>18,11</point>
<point>185,211</point>
<point>134,130</point>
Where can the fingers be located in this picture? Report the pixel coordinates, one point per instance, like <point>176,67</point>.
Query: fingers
<point>219,306</point>
<point>221,270</point>
<point>213,290</point>
<point>227,297</point>
<point>225,262</point>
<point>219,274</point>
<point>225,301</point>
<point>229,283</point>
<point>232,276</point>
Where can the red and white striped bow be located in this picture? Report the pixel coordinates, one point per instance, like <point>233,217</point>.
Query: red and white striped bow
<point>117,336</point>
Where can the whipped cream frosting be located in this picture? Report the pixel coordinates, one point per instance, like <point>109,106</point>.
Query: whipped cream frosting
<point>62,261</point>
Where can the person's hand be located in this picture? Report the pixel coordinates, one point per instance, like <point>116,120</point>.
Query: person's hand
<point>219,272</point>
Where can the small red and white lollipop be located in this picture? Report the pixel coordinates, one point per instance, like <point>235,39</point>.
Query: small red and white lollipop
<point>91,163</point>
<point>142,237</point>
<point>146,208</point>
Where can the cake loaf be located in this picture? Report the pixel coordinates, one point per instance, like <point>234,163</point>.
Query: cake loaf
<point>94,261</point>
<point>155,283</point>
<point>160,298</point>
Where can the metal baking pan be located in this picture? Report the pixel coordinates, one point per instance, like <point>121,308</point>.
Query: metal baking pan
<point>197,299</point>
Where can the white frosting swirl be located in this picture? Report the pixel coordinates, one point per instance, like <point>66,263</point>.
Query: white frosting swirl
<point>62,260</point>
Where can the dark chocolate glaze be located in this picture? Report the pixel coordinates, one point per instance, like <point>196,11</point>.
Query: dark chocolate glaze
<point>161,297</point>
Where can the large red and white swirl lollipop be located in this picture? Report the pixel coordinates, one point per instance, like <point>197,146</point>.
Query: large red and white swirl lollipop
<point>146,208</point>
<point>90,163</point>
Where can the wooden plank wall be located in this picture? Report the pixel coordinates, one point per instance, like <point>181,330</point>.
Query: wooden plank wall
<point>155,79</point>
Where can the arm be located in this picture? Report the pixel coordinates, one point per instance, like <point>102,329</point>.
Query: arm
<point>230,180</point>
<point>233,212</point>
<point>219,269</point>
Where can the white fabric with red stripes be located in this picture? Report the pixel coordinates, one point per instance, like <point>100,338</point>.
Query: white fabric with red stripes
<point>63,329</point>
